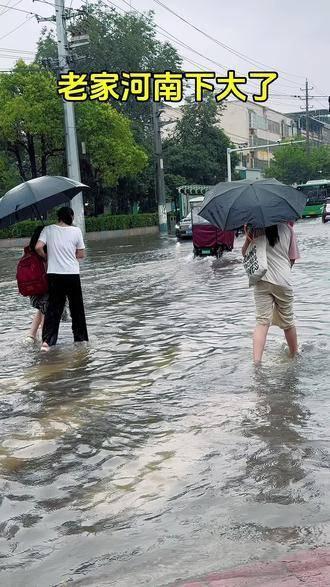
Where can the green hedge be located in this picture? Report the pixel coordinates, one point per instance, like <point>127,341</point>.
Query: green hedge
<point>120,222</point>
<point>93,224</point>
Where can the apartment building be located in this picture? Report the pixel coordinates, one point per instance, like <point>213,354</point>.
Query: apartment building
<point>319,125</point>
<point>251,124</point>
<point>246,124</point>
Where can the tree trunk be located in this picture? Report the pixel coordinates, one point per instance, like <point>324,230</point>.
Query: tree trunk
<point>16,151</point>
<point>32,156</point>
<point>43,156</point>
<point>99,196</point>
<point>99,201</point>
<point>92,178</point>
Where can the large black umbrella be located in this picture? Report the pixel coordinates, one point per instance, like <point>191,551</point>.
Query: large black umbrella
<point>35,197</point>
<point>260,203</point>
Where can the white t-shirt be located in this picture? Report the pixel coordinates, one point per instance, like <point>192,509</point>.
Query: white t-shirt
<point>62,243</point>
<point>278,260</point>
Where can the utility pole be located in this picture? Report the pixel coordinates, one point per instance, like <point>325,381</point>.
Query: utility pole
<point>160,182</point>
<point>72,154</point>
<point>307,89</point>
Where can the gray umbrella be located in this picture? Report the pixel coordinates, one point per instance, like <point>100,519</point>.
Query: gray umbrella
<point>35,197</point>
<point>261,203</point>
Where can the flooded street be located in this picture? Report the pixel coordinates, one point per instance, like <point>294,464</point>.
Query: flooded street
<point>157,452</point>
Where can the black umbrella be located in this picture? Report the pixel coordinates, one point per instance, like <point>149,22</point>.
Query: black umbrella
<point>261,203</point>
<point>35,197</point>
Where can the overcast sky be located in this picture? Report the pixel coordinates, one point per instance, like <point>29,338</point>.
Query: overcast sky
<point>290,36</point>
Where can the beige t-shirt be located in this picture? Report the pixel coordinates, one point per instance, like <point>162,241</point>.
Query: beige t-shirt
<point>278,259</point>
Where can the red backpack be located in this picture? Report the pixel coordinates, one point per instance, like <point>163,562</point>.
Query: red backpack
<point>31,274</point>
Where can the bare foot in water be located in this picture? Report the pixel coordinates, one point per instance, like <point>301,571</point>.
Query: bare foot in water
<point>45,347</point>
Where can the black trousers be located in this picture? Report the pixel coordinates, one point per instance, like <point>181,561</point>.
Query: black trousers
<point>60,288</point>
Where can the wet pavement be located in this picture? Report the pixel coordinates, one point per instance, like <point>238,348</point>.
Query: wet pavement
<point>157,453</point>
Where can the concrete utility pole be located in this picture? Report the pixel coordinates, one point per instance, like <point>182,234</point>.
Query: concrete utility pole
<point>72,154</point>
<point>160,182</point>
<point>307,89</point>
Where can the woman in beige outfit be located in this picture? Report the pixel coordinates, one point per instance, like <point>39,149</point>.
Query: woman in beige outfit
<point>273,294</point>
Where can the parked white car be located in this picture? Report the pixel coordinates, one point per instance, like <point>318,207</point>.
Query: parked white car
<point>184,229</point>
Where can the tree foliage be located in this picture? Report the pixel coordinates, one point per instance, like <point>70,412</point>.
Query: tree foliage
<point>293,164</point>
<point>197,150</point>
<point>29,135</point>
<point>32,133</point>
<point>119,42</point>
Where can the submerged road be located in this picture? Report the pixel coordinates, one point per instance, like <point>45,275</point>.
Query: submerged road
<point>157,453</point>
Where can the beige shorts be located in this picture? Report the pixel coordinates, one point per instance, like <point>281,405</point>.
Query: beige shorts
<point>274,305</point>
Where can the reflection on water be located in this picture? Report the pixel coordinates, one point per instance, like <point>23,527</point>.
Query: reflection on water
<point>157,451</point>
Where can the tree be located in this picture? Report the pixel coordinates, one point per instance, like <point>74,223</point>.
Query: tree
<point>119,42</point>
<point>320,162</point>
<point>293,164</point>
<point>112,152</point>
<point>9,176</point>
<point>30,136</point>
<point>197,150</point>
<point>33,140</point>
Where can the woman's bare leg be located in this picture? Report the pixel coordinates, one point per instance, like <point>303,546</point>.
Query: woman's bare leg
<point>259,342</point>
<point>36,322</point>
<point>291,339</point>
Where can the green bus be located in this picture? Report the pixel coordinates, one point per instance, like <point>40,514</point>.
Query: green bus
<point>317,192</point>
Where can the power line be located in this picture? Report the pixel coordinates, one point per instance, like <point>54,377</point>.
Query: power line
<point>225,67</point>
<point>307,106</point>
<point>19,51</point>
<point>16,28</point>
<point>172,36</point>
<point>13,6</point>
<point>9,1</point>
<point>5,10</point>
<point>45,2</point>
<point>175,40</point>
<point>52,4</point>
<point>6,56</point>
<point>223,45</point>
<point>18,9</point>
<point>325,96</point>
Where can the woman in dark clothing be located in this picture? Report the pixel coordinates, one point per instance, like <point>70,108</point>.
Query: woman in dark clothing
<point>65,247</point>
<point>40,303</point>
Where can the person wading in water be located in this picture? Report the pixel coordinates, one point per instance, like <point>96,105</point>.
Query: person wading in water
<point>273,294</point>
<point>65,247</point>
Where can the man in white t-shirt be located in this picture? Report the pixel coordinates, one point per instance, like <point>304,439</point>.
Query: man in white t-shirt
<point>65,247</point>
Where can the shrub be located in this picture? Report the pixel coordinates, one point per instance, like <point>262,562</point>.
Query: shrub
<point>93,224</point>
<point>120,221</point>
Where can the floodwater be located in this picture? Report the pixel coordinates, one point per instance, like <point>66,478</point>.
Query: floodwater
<point>157,452</point>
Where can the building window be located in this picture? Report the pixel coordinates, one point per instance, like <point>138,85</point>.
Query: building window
<point>252,123</point>
<point>256,121</point>
<point>274,127</point>
<point>287,130</point>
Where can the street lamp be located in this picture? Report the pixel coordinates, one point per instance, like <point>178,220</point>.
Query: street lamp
<point>230,151</point>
